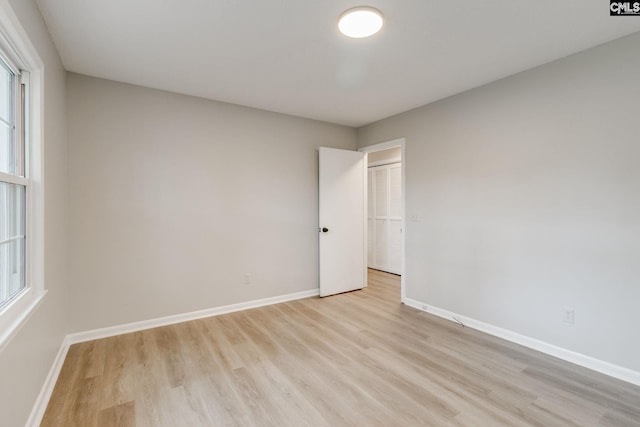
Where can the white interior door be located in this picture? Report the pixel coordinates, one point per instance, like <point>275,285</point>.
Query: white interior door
<point>342,227</point>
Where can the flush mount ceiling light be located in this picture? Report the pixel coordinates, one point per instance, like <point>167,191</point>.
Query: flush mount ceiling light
<point>359,22</point>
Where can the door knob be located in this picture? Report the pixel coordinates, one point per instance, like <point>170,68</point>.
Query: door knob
<point>324,229</point>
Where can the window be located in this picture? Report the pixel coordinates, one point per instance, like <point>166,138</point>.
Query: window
<point>13,184</point>
<point>21,178</point>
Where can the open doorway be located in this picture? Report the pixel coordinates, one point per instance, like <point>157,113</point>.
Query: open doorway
<point>386,208</point>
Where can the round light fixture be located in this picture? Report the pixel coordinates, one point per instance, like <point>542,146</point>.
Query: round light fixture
<point>359,22</point>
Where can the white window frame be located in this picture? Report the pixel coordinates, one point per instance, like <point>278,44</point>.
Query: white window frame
<point>18,50</point>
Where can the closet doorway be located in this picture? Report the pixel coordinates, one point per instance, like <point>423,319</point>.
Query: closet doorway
<point>385,208</point>
<point>384,216</point>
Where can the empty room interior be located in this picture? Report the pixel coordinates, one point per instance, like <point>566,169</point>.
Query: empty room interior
<point>254,213</point>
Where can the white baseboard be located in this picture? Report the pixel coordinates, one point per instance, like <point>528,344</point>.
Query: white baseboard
<point>40,406</point>
<point>37,412</point>
<point>589,362</point>
<point>111,331</point>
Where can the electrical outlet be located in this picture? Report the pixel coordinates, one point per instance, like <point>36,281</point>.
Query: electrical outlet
<point>247,278</point>
<point>569,315</point>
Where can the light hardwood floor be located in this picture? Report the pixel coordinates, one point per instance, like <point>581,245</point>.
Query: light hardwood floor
<point>356,359</point>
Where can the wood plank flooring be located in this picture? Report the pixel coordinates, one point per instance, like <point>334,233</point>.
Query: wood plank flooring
<point>356,359</point>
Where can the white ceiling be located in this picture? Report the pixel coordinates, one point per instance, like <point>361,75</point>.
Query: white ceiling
<point>287,56</point>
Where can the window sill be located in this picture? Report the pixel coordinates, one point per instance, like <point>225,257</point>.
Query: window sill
<point>17,312</point>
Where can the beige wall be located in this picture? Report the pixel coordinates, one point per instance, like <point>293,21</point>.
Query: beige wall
<point>174,198</point>
<point>527,195</point>
<point>26,360</point>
